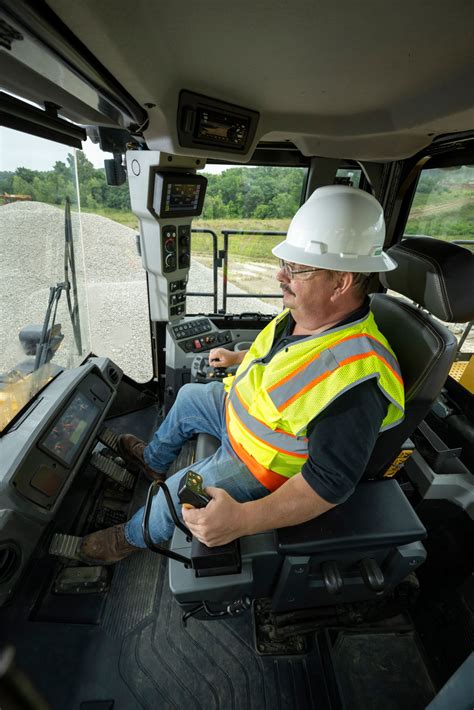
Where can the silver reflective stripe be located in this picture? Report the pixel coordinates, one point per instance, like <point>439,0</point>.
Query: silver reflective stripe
<point>326,363</point>
<point>364,344</point>
<point>277,440</point>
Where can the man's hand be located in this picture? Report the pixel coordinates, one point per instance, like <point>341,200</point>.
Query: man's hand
<point>220,522</point>
<point>221,357</point>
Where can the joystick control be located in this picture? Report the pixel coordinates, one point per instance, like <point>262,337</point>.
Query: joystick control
<point>191,492</point>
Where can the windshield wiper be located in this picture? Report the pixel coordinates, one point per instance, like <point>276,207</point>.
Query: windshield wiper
<point>51,335</point>
<point>69,261</point>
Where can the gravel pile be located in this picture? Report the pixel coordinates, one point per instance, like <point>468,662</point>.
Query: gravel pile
<point>111,281</point>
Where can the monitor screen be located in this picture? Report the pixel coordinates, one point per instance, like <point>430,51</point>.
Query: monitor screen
<point>181,197</point>
<point>70,430</point>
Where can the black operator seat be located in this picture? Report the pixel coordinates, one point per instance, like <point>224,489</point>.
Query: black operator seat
<point>369,544</point>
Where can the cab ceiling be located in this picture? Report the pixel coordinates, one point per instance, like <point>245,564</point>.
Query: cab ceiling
<point>365,80</point>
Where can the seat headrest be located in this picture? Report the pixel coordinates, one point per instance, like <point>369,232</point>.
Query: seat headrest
<point>437,275</point>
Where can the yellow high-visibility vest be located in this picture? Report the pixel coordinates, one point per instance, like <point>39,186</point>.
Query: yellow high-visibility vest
<point>270,405</point>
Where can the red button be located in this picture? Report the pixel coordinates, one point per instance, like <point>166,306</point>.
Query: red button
<point>197,344</point>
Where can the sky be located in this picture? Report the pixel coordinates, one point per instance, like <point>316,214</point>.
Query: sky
<point>22,150</point>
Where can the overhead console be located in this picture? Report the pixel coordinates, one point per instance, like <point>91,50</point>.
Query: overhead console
<point>208,123</point>
<point>165,195</point>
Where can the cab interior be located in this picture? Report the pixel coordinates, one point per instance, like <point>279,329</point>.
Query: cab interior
<point>369,606</point>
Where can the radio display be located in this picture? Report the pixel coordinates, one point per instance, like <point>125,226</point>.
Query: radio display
<point>216,127</point>
<point>70,430</point>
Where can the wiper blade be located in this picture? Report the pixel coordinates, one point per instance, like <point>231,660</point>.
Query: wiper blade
<point>50,335</point>
<point>69,261</point>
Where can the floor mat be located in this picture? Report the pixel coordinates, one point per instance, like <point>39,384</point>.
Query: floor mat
<point>205,665</point>
<point>381,671</point>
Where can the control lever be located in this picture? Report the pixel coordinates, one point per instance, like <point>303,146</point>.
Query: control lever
<point>207,561</point>
<point>332,577</point>
<point>219,373</point>
<point>372,575</point>
<point>191,492</point>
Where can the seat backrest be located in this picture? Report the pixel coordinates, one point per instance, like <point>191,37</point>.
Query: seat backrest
<point>438,276</point>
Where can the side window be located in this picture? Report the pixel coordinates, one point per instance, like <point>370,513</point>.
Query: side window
<point>247,211</point>
<point>443,207</point>
<point>44,325</point>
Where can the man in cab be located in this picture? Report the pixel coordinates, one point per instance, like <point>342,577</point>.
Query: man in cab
<point>299,419</point>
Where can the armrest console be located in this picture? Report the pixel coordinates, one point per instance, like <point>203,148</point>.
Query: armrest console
<point>377,514</point>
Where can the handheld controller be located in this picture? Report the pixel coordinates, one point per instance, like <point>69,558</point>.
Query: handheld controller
<point>191,492</point>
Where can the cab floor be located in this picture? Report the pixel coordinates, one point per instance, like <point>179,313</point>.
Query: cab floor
<point>129,650</point>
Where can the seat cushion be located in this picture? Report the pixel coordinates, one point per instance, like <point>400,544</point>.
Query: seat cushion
<point>206,445</point>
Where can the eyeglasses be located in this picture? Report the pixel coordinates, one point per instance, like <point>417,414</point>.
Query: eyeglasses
<point>296,274</point>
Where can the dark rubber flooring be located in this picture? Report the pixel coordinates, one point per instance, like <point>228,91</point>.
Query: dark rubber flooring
<point>129,650</point>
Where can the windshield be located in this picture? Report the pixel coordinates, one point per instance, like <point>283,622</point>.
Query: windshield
<point>43,315</point>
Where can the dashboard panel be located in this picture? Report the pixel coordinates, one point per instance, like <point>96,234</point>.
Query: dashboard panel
<point>41,455</point>
<point>43,473</point>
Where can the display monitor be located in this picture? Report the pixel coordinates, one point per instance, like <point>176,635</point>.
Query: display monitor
<point>178,195</point>
<point>70,430</point>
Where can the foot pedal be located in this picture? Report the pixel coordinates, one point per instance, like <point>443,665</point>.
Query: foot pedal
<point>65,546</point>
<point>110,439</point>
<point>112,470</point>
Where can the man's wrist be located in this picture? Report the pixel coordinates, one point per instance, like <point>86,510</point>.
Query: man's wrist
<point>239,356</point>
<point>249,517</point>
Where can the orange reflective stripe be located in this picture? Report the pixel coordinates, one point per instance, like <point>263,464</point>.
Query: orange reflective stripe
<point>326,374</point>
<point>293,373</point>
<point>278,431</point>
<point>370,353</point>
<point>267,478</point>
<point>270,446</point>
<point>309,386</point>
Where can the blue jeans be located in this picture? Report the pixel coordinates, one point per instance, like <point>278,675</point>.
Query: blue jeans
<point>197,409</point>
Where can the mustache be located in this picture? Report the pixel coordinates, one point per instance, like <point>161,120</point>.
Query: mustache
<point>284,287</point>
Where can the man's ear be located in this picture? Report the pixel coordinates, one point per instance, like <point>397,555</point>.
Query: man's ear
<point>342,282</point>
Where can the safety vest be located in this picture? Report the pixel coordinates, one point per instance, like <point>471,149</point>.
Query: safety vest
<point>270,405</point>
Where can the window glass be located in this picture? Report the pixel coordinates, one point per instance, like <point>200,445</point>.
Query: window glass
<point>443,207</point>
<point>43,306</point>
<point>241,203</point>
<point>348,176</point>
<point>116,279</point>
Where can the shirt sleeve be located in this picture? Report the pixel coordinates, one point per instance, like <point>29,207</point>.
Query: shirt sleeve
<point>341,440</point>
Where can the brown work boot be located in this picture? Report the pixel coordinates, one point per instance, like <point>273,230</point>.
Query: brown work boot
<point>105,547</point>
<point>131,450</point>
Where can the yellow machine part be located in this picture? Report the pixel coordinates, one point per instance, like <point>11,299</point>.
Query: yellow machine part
<point>394,468</point>
<point>463,372</point>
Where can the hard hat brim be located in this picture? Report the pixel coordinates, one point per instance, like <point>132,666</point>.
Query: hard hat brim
<point>334,262</point>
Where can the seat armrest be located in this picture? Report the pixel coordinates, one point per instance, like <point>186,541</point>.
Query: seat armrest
<point>378,514</point>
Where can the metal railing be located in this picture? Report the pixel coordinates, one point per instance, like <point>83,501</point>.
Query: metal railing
<point>222,259</point>
<point>231,233</point>
<point>215,265</point>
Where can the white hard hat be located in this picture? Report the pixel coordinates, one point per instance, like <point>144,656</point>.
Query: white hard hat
<point>338,228</point>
